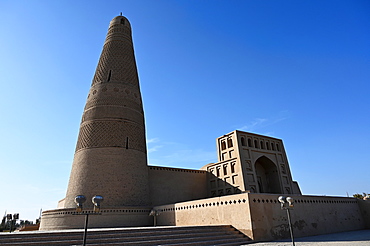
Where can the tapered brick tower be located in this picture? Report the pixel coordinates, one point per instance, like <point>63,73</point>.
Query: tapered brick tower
<point>111,157</point>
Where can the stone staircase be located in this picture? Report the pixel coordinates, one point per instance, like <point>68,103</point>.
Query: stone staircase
<point>161,235</point>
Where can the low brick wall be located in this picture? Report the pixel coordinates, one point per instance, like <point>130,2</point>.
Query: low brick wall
<point>226,210</point>
<point>260,217</point>
<point>311,215</point>
<point>365,211</point>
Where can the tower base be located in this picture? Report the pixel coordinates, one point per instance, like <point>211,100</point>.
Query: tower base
<point>67,218</point>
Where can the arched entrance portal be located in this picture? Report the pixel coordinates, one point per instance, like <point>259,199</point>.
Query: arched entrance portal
<point>267,176</point>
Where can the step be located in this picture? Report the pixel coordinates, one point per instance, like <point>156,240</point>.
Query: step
<point>215,241</point>
<point>118,230</point>
<point>187,235</point>
<point>94,235</point>
<point>132,240</point>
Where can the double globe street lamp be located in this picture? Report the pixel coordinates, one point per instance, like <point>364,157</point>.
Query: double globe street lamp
<point>287,204</point>
<point>79,200</point>
<point>12,219</point>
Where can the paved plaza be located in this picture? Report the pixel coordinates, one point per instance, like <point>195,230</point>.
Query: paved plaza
<point>351,238</point>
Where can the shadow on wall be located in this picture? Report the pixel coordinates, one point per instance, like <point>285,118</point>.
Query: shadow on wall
<point>166,214</point>
<point>220,187</point>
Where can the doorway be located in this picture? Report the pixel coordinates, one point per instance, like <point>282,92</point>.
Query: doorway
<point>267,176</point>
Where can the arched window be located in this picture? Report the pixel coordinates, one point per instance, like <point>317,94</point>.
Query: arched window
<point>262,145</point>
<point>223,145</point>
<point>229,143</point>
<point>243,141</point>
<point>256,144</point>
<point>272,146</point>
<point>268,145</point>
<point>249,142</point>
<point>225,169</point>
<point>277,147</point>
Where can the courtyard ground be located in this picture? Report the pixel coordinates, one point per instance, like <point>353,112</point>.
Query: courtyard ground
<point>351,238</point>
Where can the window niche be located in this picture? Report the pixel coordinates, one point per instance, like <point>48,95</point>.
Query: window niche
<point>229,143</point>
<point>232,167</point>
<point>211,170</point>
<point>223,145</point>
<point>231,153</point>
<point>243,141</point>
<point>256,144</point>
<point>273,146</point>
<point>218,171</point>
<point>250,142</point>
<point>225,169</point>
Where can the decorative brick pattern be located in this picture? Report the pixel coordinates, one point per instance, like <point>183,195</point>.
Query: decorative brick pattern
<point>312,201</point>
<point>119,101</point>
<point>117,57</point>
<point>203,205</point>
<point>177,170</point>
<point>103,211</point>
<point>111,134</point>
<point>118,30</point>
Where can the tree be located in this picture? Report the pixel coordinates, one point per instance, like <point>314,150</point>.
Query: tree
<point>3,224</point>
<point>360,196</point>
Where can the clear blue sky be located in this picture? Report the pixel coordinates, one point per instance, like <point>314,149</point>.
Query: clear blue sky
<point>295,70</point>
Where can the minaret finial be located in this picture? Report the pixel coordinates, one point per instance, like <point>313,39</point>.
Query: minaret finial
<point>121,14</point>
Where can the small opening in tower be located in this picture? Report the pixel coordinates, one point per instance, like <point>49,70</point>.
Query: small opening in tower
<point>109,75</point>
<point>123,21</point>
<point>127,143</point>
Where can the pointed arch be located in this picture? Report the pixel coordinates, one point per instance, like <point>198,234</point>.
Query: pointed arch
<point>267,176</point>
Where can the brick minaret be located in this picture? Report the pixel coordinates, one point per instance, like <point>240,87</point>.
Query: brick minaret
<point>111,157</point>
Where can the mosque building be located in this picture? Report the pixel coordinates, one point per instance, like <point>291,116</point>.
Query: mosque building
<point>240,189</point>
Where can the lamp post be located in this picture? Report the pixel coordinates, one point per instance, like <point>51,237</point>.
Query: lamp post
<point>154,213</point>
<point>79,200</point>
<point>287,204</point>
<point>10,218</point>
